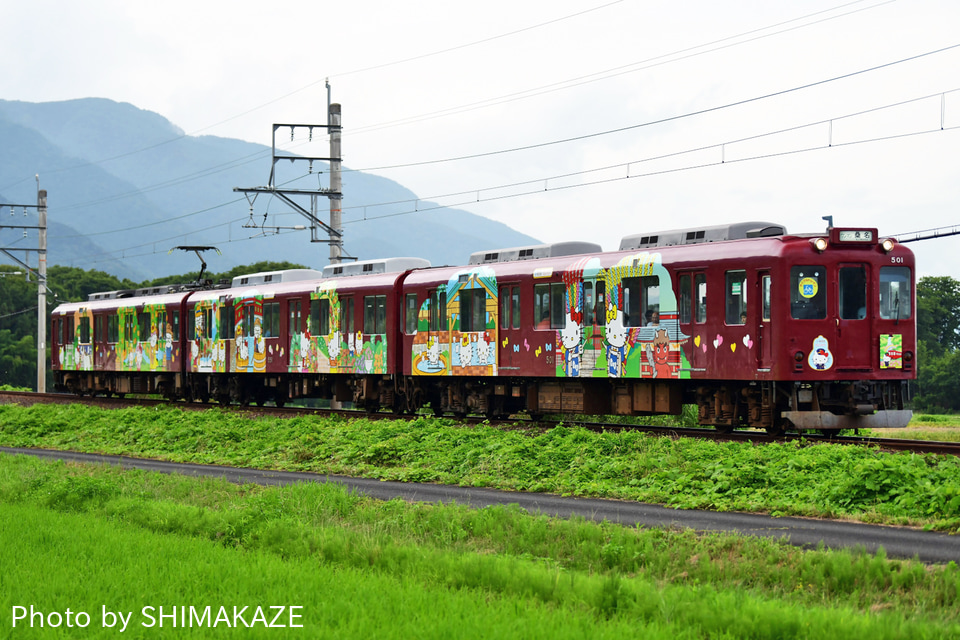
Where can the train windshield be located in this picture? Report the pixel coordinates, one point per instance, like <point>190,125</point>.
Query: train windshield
<point>895,293</point>
<point>808,292</point>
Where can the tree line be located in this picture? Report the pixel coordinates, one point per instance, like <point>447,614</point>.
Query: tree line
<point>937,388</point>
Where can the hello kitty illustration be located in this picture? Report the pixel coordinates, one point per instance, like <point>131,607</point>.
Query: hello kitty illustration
<point>820,357</point>
<point>616,345</point>
<point>433,353</point>
<point>466,350</point>
<point>571,337</point>
<point>483,349</point>
<point>333,345</point>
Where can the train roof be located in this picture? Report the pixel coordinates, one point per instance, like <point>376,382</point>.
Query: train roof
<point>284,275</point>
<point>534,252</point>
<point>698,235</point>
<point>371,267</point>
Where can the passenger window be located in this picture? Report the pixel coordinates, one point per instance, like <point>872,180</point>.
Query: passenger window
<point>549,306</point>
<point>411,316</point>
<point>516,307</point>
<point>346,316</point>
<point>374,314</point>
<point>853,292</point>
<point>895,293</point>
<point>700,297</point>
<point>736,297</point>
<point>84,330</point>
<point>504,307</point>
<point>473,309</point>
<point>808,292</point>
<point>641,301</point>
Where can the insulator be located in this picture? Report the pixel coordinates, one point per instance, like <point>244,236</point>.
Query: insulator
<point>310,135</point>
<point>291,134</point>
<point>24,233</point>
<point>310,168</point>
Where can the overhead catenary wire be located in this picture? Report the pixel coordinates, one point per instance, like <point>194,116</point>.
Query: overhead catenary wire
<point>540,185</point>
<point>537,91</point>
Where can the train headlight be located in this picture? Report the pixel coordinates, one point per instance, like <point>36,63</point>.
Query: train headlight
<point>888,245</point>
<point>908,356</point>
<point>798,356</point>
<point>820,244</point>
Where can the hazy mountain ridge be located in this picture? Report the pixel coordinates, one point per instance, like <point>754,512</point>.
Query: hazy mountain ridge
<point>109,166</point>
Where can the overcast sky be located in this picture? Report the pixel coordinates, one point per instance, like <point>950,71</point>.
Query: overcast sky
<point>437,80</point>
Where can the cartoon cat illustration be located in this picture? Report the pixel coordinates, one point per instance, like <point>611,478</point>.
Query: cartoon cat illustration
<point>466,350</point>
<point>616,345</point>
<point>571,337</point>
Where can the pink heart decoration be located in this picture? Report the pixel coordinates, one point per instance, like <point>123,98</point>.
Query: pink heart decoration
<point>747,342</point>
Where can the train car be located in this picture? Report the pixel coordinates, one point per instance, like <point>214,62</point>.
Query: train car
<point>756,327</point>
<point>119,342</point>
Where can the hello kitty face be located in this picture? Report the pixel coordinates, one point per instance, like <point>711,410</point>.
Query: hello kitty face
<point>616,332</point>
<point>571,334</point>
<point>333,345</point>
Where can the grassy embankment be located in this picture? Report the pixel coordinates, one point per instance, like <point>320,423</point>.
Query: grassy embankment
<point>783,479</point>
<point>85,537</point>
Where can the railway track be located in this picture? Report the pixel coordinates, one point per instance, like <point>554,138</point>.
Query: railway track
<point>28,398</point>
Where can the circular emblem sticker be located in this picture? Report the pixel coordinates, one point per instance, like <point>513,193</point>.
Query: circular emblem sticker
<point>808,287</point>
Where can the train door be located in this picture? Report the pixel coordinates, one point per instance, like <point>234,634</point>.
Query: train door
<point>298,350</point>
<point>594,362</point>
<point>764,337</point>
<point>692,316</point>
<point>510,337</point>
<point>853,348</point>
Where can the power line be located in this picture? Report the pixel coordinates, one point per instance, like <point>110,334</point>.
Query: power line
<point>542,184</point>
<point>641,65</point>
<point>532,92</point>
<point>651,123</point>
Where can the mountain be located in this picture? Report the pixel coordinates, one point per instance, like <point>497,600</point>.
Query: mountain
<point>125,185</point>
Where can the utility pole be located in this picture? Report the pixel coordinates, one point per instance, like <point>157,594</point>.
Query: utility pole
<point>336,201</point>
<point>334,231</point>
<point>42,292</point>
<point>41,274</point>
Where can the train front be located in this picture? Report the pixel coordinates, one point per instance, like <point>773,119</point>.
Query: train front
<point>850,332</point>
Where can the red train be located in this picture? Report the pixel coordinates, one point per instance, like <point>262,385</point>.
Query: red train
<point>755,326</point>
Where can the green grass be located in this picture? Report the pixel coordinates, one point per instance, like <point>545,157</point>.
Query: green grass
<point>783,479</point>
<point>83,536</point>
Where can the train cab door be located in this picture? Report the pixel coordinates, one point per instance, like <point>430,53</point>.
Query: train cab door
<point>509,337</point>
<point>764,337</point>
<point>853,348</point>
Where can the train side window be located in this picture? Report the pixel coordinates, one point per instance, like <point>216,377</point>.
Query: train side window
<point>98,329</point>
<point>549,306</point>
<point>686,299</point>
<point>438,310</point>
<point>504,307</point>
<point>700,298</point>
<point>473,309</point>
<point>191,325</point>
<point>84,330</point>
<point>515,297</point>
<point>808,292</point>
<point>143,322</point>
<point>736,297</point>
<point>320,317</point>
<point>374,314</point>
<point>270,325</point>
<point>895,293</point>
<point>175,329</point>
<point>594,307</point>
<point>765,294</point>
<point>346,316</point>
<point>853,292</point>
<point>411,317</point>
<point>227,326</point>
<point>296,318</point>
<point>641,300</point>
